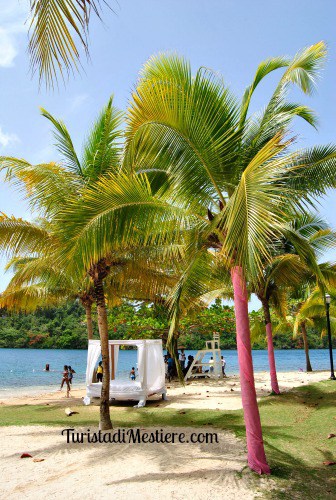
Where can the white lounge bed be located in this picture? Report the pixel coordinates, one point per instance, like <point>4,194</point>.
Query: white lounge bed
<point>151,372</point>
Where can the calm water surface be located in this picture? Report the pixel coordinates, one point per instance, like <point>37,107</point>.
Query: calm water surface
<point>22,370</point>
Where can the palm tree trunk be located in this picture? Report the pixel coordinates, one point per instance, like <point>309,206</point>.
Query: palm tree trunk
<point>255,447</point>
<point>306,347</point>
<point>105,420</point>
<point>89,324</point>
<point>270,347</point>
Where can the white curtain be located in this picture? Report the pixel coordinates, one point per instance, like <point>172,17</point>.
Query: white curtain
<point>155,366</point>
<point>141,362</point>
<point>94,351</point>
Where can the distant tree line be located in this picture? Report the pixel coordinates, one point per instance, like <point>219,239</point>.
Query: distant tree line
<point>64,327</point>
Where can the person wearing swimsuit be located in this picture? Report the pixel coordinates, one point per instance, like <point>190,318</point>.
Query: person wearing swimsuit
<point>65,380</point>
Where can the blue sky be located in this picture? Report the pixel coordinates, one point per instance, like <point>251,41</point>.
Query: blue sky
<point>230,36</point>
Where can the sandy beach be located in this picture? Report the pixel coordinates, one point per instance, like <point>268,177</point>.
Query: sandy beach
<point>223,394</point>
<point>137,471</point>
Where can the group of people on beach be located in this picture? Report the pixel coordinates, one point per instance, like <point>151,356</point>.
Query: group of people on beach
<point>67,376</point>
<point>171,369</point>
<point>170,366</point>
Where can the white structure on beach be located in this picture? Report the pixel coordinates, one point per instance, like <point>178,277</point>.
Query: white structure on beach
<point>151,372</point>
<point>213,367</point>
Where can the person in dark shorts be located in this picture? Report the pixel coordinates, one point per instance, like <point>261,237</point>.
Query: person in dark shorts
<point>132,373</point>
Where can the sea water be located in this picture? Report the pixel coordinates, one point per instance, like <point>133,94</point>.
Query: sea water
<point>22,371</point>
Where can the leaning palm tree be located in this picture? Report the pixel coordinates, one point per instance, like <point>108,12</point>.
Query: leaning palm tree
<point>198,168</point>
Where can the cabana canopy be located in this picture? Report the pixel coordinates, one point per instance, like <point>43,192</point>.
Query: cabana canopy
<point>151,372</point>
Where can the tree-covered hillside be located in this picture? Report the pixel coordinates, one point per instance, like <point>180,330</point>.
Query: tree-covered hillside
<point>64,327</point>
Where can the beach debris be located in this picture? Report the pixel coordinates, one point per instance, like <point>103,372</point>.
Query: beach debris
<point>26,455</point>
<point>331,436</point>
<point>38,459</point>
<point>328,462</point>
<point>69,412</point>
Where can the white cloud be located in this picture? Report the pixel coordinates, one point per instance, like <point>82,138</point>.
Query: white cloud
<point>11,29</point>
<point>7,139</point>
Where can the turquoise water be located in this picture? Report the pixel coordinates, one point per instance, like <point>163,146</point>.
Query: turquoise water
<point>22,370</point>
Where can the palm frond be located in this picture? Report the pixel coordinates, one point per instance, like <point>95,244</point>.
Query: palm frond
<point>64,144</point>
<point>102,150</point>
<point>55,26</point>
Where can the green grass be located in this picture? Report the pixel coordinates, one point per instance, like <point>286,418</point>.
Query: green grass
<point>295,425</point>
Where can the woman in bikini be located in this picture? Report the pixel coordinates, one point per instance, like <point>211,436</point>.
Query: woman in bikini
<point>65,379</point>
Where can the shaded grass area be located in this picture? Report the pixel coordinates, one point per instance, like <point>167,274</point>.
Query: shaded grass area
<point>295,426</point>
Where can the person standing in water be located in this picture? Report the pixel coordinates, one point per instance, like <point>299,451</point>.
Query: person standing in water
<point>132,373</point>
<point>65,380</point>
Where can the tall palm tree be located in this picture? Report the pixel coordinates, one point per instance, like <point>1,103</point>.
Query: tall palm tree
<point>49,187</point>
<point>229,166</point>
<point>198,168</point>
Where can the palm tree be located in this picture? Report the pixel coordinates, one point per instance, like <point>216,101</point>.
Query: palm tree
<point>312,312</point>
<point>231,167</point>
<point>51,186</point>
<point>197,169</point>
<point>295,260</point>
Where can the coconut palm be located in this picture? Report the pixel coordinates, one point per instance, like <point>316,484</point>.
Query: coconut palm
<point>200,170</point>
<point>39,281</point>
<point>306,310</point>
<point>49,187</point>
<point>295,260</point>
<point>234,168</point>
<point>313,312</point>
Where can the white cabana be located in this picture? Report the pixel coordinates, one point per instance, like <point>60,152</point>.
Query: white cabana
<point>151,373</point>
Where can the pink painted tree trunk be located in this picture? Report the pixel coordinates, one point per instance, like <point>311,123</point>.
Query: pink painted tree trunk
<point>270,347</point>
<point>271,359</point>
<point>255,446</point>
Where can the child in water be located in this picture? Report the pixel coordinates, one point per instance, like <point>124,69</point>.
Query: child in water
<point>132,373</point>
